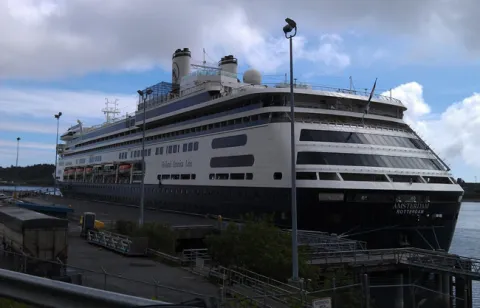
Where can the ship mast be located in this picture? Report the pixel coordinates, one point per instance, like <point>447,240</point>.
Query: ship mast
<point>110,112</point>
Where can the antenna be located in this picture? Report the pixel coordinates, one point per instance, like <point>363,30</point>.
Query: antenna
<point>110,112</point>
<point>204,61</point>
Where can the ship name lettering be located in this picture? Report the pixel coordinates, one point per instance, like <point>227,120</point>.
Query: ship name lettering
<point>410,208</point>
<point>177,164</point>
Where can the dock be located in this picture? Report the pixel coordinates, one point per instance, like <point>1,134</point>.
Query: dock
<point>415,276</point>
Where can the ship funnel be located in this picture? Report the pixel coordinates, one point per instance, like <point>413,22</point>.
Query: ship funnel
<point>229,64</point>
<point>180,65</point>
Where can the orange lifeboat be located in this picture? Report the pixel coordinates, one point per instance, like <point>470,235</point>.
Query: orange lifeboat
<point>88,170</point>
<point>65,172</point>
<point>124,168</point>
<point>79,170</point>
<point>71,171</point>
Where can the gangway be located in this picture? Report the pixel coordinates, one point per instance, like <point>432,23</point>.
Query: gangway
<point>426,259</point>
<point>323,241</point>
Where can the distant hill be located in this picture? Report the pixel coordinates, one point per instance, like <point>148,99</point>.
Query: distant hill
<point>41,175</point>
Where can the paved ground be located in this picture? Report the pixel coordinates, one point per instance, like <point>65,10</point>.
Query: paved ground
<point>111,211</point>
<point>87,256</point>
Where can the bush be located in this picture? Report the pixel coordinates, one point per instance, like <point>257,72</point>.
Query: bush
<point>160,237</point>
<point>259,246</point>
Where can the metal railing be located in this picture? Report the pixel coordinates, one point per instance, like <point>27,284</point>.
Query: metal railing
<point>44,292</point>
<point>103,280</point>
<point>131,246</point>
<point>435,260</point>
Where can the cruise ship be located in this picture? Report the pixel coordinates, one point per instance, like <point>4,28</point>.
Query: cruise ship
<point>218,145</point>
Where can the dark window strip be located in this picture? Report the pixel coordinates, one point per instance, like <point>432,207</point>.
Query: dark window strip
<point>348,159</point>
<point>229,141</point>
<point>360,138</point>
<point>232,161</point>
<point>177,137</point>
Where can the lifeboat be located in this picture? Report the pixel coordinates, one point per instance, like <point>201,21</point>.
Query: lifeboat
<point>65,172</point>
<point>79,170</point>
<point>124,168</point>
<point>88,170</point>
<point>71,171</point>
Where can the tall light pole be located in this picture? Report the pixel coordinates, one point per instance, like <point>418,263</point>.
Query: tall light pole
<point>16,166</point>
<point>287,29</point>
<point>143,95</point>
<point>57,116</point>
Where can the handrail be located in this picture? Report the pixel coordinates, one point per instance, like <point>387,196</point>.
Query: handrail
<point>437,260</point>
<point>44,292</point>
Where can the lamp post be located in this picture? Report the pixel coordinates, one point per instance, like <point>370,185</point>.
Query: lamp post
<point>57,116</point>
<point>16,167</point>
<point>287,29</point>
<point>143,95</point>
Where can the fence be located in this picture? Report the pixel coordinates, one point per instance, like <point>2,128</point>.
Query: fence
<point>101,279</point>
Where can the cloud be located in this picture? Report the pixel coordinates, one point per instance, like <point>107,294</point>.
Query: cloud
<point>453,132</point>
<point>47,38</point>
<point>34,108</point>
<point>52,38</point>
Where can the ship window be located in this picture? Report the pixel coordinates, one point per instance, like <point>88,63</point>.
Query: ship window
<point>185,147</point>
<point>175,176</point>
<point>348,159</point>
<point>306,176</point>
<point>190,147</point>
<point>237,176</point>
<point>175,149</point>
<point>364,177</point>
<point>221,176</point>
<point>195,146</point>
<point>185,176</point>
<point>249,176</point>
<point>232,161</point>
<point>359,138</point>
<point>229,142</point>
<point>328,176</point>
<point>405,178</point>
<point>194,176</point>
<point>277,176</point>
<point>437,180</point>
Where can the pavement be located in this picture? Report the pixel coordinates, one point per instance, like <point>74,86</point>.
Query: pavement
<point>134,275</point>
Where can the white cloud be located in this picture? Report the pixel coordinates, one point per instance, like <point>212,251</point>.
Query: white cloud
<point>39,106</point>
<point>26,144</point>
<point>51,38</point>
<point>47,38</point>
<point>453,132</point>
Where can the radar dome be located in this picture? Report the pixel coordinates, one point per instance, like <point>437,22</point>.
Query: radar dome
<point>252,76</point>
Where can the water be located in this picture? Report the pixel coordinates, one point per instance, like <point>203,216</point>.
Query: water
<point>466,241</point>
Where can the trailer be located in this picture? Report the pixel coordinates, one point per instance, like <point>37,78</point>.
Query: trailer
<point>40,241</point>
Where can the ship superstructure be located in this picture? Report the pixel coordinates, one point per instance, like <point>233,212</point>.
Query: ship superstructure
<point>218,145</point>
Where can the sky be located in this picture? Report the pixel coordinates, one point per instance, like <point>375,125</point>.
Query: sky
<point>73,55</point>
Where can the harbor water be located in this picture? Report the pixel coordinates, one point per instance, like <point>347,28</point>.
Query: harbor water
<point>466,241</point>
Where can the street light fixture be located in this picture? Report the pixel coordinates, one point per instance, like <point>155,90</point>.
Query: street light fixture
<point>143,95</point>
<point>16,167</point>
<point>287,29</point>
<point>57,116</point>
